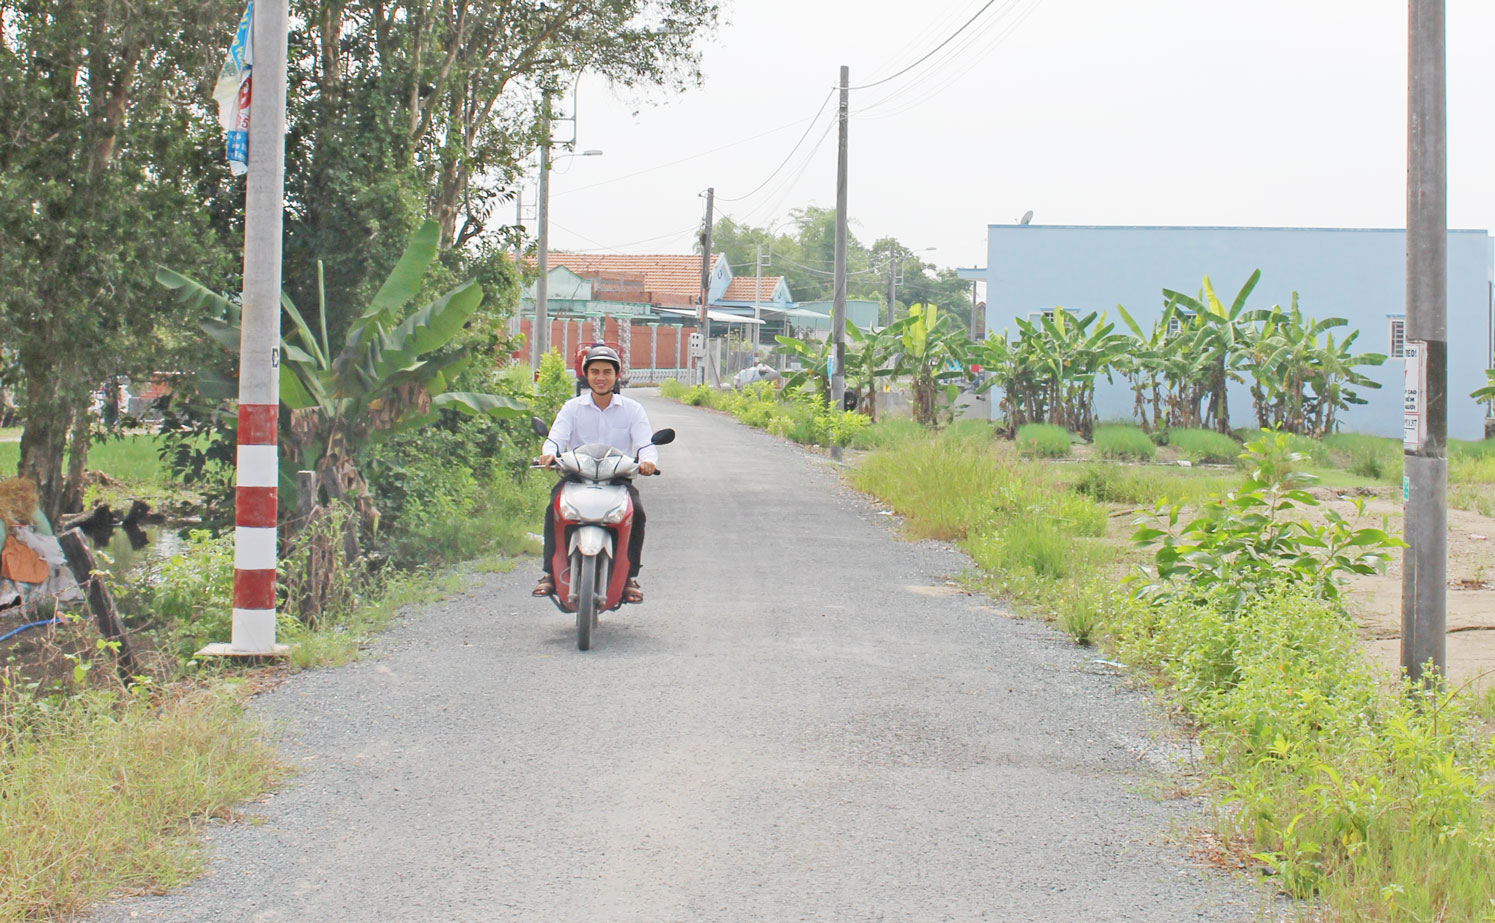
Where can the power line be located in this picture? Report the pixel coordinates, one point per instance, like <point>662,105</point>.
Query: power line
<point>951,37</point>
<point>929,78</point>
<point>632,243</point>
<point>808,128</point>
<point>687,159</point>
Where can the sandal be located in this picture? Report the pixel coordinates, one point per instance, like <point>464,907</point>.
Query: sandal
<point>632,592</point>
<point>546,586</point>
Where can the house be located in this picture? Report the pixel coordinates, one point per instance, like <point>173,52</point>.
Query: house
<point>1357,274</point>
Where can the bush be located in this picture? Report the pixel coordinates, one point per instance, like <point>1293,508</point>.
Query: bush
<point>1204,446</point>
<point>1043,440</point>
<point>1249,539</point>
<point>1123,442</point>
<point>194,591</point>
<point>555,385</point>
<point>457,490</point>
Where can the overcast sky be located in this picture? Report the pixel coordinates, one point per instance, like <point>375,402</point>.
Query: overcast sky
<point>1210,112</point>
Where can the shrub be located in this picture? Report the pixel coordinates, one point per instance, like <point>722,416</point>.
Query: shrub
<point>1123,442</point>
<point>1248,540</point>
<point>194,590</point>
<point>555,385</point>
<point>1204,446</point>
<point>1043,440</point>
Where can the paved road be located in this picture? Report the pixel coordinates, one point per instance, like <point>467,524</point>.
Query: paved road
<point>804,722</point>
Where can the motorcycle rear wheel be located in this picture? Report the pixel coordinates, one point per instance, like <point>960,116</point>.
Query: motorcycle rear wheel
<point>586,602</point>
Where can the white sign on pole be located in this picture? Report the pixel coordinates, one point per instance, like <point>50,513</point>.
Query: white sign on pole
<point>698,346</point>
<point>1414,396</point>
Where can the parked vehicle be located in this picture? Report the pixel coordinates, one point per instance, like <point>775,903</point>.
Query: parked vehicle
<point>593,522</point>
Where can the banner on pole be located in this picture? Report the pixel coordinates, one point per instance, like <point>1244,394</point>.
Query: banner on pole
<point>231,92</point>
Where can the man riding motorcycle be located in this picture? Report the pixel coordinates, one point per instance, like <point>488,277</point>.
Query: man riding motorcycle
<point>600,416</point>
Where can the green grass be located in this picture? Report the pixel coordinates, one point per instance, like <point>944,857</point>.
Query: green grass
<point>1464,448</point>
<point>1127,443</point>
<point>103,792</point>
<point>1043,440</point>
<point>1137,486</point>
<point>1375,457</point>
<point>886,433</point>
<point>1203,446</point>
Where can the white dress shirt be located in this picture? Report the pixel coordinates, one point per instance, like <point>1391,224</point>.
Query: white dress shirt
<point>622,425</point>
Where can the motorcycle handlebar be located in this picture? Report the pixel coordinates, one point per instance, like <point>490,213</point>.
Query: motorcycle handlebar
<point>535,463</point>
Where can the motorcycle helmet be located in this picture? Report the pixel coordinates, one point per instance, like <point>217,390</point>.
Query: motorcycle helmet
<point>602,354</point>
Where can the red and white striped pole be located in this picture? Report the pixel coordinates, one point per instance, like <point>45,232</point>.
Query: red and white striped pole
<point>253,631</point>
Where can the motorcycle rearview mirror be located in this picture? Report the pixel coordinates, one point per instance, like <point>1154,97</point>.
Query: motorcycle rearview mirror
<point>663,437</point>
<point>539,427</point>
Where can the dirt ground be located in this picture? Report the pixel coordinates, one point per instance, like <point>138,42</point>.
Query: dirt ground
<point>1376,602</point>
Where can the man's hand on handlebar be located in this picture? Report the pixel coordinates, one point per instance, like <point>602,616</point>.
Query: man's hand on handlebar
<point>647,468</point>
<point>545,461</point>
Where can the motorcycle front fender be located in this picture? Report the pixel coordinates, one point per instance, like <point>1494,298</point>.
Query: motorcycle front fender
<point>591,540</point>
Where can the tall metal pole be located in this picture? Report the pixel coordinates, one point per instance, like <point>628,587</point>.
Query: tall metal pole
<point>705,317</point>
<point>252,629</point>
<point>1425,427</point>
<point>541,331</point>
<point>838,306</point>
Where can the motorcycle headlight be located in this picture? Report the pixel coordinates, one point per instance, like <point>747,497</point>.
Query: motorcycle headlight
<point>568,511</point>
<point>616,516</point>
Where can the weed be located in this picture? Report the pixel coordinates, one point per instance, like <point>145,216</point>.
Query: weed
<point>94,790</point>
<point>1375,457</point>
<point>1043,440</point>
<point>1204,446</point>
<point>1127,443</point>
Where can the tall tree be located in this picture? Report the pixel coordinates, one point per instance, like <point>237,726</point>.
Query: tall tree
<point>104,157</point>
<point>409,108</point>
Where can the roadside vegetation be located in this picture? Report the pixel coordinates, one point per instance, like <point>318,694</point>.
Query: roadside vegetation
<point>1203,559</point>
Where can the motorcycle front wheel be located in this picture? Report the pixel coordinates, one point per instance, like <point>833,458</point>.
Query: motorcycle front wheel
<point>586,602</point>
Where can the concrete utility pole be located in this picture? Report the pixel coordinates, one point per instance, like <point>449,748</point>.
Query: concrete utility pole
<point>838,306</point>
<point>892,284</point>
<point>252,631</point>
<point>705,318</point>
<point>1425,425</point>
<point>540,332</point>
<point>757,298</point>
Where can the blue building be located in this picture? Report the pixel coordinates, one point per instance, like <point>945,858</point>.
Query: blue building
<point>1356,274</point>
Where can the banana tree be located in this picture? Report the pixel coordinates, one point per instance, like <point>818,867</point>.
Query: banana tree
<point>392,372</point>
<point>813,357</point>
<point>872,359</point>
<point>1217,344</point>
<point>932,351</point>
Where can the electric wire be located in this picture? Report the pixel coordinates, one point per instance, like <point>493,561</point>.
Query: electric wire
<point>960,50</point>
<point>951,37</point>
<point>808,128</point>
<point>632,243</point>
<point>686,159</point>
<point>936,89</point>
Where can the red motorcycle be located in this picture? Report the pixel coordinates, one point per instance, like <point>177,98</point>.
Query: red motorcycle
<point>593,522</point>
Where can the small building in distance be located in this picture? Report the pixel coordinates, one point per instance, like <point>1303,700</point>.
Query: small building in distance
<point>1357,274</point>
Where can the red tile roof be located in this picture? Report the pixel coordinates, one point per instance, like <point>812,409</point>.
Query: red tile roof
<point>741,288</point>
<point>669,278</point>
